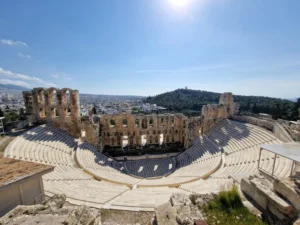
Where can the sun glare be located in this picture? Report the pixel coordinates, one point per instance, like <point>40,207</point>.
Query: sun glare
<point>179,3</point>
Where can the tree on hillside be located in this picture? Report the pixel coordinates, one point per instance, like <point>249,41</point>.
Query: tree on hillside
<point>296,110</point>
<point>255,109</point>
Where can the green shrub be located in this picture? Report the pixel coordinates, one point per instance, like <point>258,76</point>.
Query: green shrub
<point>227,209</point>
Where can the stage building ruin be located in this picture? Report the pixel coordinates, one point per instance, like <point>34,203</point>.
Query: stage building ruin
<point>61,107</point>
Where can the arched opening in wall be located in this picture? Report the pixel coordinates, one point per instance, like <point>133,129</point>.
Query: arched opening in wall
<point>151,140</point>
<point>41,97</point>
<point>143,140</point>
<point>54,97</point>
<point>124,141</point>
<point>125,123</point>
<point>42,113</point>
<point>172,120</point>
<point>201,131</point>
<point>168,139</point>
<point>151,122</point>
<point>67,111</point>
<point>161,139</point>
<point>162,121</point>
<point>55,112</point>
<point>112,123</point>
<point>183,140</point>
<point>68,97</point>
<point>137,123</point>
<point>144,124</point>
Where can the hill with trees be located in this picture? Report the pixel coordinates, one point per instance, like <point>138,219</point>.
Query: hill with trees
<point>190,103</point>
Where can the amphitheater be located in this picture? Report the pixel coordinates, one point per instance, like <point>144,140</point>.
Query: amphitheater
<point>220,151</point>
<point>229,150</point>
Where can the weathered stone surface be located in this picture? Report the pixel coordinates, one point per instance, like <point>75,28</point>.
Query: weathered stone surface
<point>179,199</point>
<point>201,199</point>
<point>265,192</point>
<point>165,214</point>
<point>55,202</point>
<point>187,214</point>
<point>83,215</point>
<point>288,189</point>
<point>20,211</point>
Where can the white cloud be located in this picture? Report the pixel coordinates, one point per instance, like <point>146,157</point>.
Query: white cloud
<point>24,56</point>
<point>24,77</point>
<point>13,43</point>
<point>61,75</point>
<point>15,82</point>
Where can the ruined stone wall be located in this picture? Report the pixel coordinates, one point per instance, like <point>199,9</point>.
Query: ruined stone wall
<point>133,127</point>
<point>255,121</point>
<point>214,113</point>
<point>61,107</point>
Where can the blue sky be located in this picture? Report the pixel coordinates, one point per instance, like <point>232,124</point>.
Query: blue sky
<point>146,47</point>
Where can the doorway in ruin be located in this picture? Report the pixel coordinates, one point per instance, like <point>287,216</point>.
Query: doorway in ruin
<point>54,97</point>
<point>161,139</point>
<point>68,97</point>
<point>124,141</point>
<point>143,140</point>
<point>144,123</point>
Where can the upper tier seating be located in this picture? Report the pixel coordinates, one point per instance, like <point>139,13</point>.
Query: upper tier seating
<point>51,146</point>
<point>241,143</point>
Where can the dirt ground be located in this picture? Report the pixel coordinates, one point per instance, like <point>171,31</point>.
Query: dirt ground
<point>11,169</point>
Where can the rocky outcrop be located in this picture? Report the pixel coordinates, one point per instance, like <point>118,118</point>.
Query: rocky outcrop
<point>278,199</point>
<point>84,215</point>
<point>181,210</point>
<point>287,188</point>
<point>52,212</point>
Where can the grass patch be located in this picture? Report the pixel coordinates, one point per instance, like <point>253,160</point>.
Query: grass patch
<point>227,209</point>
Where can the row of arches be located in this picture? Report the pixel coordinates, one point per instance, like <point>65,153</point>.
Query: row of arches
<point>148,132</point>
<point>144,123</point>
<point>54,96</point>
<point>142,140</point>
<point>54,112</point>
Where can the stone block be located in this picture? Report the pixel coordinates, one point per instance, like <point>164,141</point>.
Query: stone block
<point>287,188</point>
<point>263,194</point>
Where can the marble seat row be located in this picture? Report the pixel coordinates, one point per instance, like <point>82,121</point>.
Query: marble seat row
<point>242,150</point>
<point>101,166</point>
<point>145,199</point>
<point>26,147</point>
<point>92,193</point>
